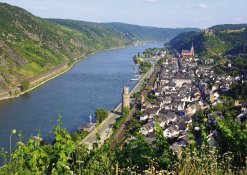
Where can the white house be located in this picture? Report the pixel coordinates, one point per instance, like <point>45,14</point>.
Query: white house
<point>171,132</point>
<point>147,129</point>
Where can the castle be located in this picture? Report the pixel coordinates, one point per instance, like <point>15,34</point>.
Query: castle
<point>188,53</point>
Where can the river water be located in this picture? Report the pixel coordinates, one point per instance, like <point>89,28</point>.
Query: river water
<point>94,82</point>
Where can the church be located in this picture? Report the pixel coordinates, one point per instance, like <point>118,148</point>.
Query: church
<point>188,53</point>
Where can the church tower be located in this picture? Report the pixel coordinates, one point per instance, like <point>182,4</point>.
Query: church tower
<point>192,51</point>
<point>125,97</point>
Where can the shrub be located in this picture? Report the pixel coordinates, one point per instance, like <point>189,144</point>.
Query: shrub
<point>101,114</point>
<point>25,85</point>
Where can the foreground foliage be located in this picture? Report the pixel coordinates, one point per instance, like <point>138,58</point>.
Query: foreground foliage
<point>227,155</point>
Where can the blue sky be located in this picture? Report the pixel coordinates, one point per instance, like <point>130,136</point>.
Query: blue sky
<point>159,13</point>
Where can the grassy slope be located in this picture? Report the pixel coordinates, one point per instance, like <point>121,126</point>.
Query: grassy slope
<point>30,45</point>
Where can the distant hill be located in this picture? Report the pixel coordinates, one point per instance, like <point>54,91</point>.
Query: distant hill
<point>135,32</point>
<point>100,35</point>
<point>30,45</point>
<point>229,27</point>
<point>220,39</point>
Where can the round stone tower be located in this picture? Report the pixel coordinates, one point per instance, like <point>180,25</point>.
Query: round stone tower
<point>125,97</point>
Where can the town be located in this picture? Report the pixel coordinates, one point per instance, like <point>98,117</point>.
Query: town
<point>182,89</point>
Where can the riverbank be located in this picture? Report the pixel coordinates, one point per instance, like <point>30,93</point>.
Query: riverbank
<point>95,82</point>
<point>104,129</point>
<point>47,77</point>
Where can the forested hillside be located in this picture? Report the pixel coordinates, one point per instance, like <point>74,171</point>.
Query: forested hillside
<point>30,45</point>
<point>217,40</point>
<point>100,36</point>
<point>135,32</point>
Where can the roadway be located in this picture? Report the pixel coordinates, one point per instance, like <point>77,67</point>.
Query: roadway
<point>121,132</point>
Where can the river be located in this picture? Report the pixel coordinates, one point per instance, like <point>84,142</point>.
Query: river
<point>94,82</point>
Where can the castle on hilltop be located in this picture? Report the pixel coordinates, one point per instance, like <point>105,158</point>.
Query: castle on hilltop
<point>188,53</point>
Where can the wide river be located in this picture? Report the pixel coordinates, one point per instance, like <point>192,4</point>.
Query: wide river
<point>94,82</point>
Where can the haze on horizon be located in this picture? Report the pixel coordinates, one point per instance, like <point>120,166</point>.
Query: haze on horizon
<point>157,13</point>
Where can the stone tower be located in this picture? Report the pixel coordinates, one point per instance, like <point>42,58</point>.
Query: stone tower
<point>125,97</point>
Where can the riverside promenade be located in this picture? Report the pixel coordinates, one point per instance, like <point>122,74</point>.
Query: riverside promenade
<point>104,128</point>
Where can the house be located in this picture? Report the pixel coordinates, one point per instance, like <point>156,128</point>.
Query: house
<point>180,79</point>
<point>178,106</point>
<point>187,119</point>
<point>242,117</point>
<point>163,119</point>
<point>171,132</point>
<point>147,128</point>
<point>167,100</point>
<point>184,138</point>
<point>181,124</point>
<point>144,117</point>
<point>158,91</point>
<point>153,111</point>
<point>191,109</point>
<point>212,137</point>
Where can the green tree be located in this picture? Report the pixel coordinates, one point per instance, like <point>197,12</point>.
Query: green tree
<point>101,114</point>
<point>137,154</point>
<point>25,85</point>
<point>163,152</point>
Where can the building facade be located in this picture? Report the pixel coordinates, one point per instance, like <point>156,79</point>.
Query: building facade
<point>188,53</point>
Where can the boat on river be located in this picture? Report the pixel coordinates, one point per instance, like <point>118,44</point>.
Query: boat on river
<point>134,79</point>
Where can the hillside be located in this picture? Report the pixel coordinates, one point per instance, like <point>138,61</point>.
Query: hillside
<point>136,32</point>
<point>30,45</point>
<point>217,40</point>
<point>101,36</point>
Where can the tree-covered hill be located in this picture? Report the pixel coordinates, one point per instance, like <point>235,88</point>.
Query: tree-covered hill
<point>217,40</point>
<point>30,45</point>
<point>229,27</point>
<point>136,32</point>
<point>101,36</point>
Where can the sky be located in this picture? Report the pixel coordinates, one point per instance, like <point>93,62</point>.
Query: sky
<point>157,13</point>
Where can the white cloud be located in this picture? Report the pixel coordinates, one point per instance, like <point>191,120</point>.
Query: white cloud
<point>151,1</point>
<point>206,18</point>
<point>238,19</point>
<point>201,6</point>
<point>37,8</point>
<point>204,6</point>
<point>175,7</point>
<point>202,19</point>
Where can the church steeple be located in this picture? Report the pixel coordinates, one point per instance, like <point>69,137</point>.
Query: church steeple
<point>192,51</point>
